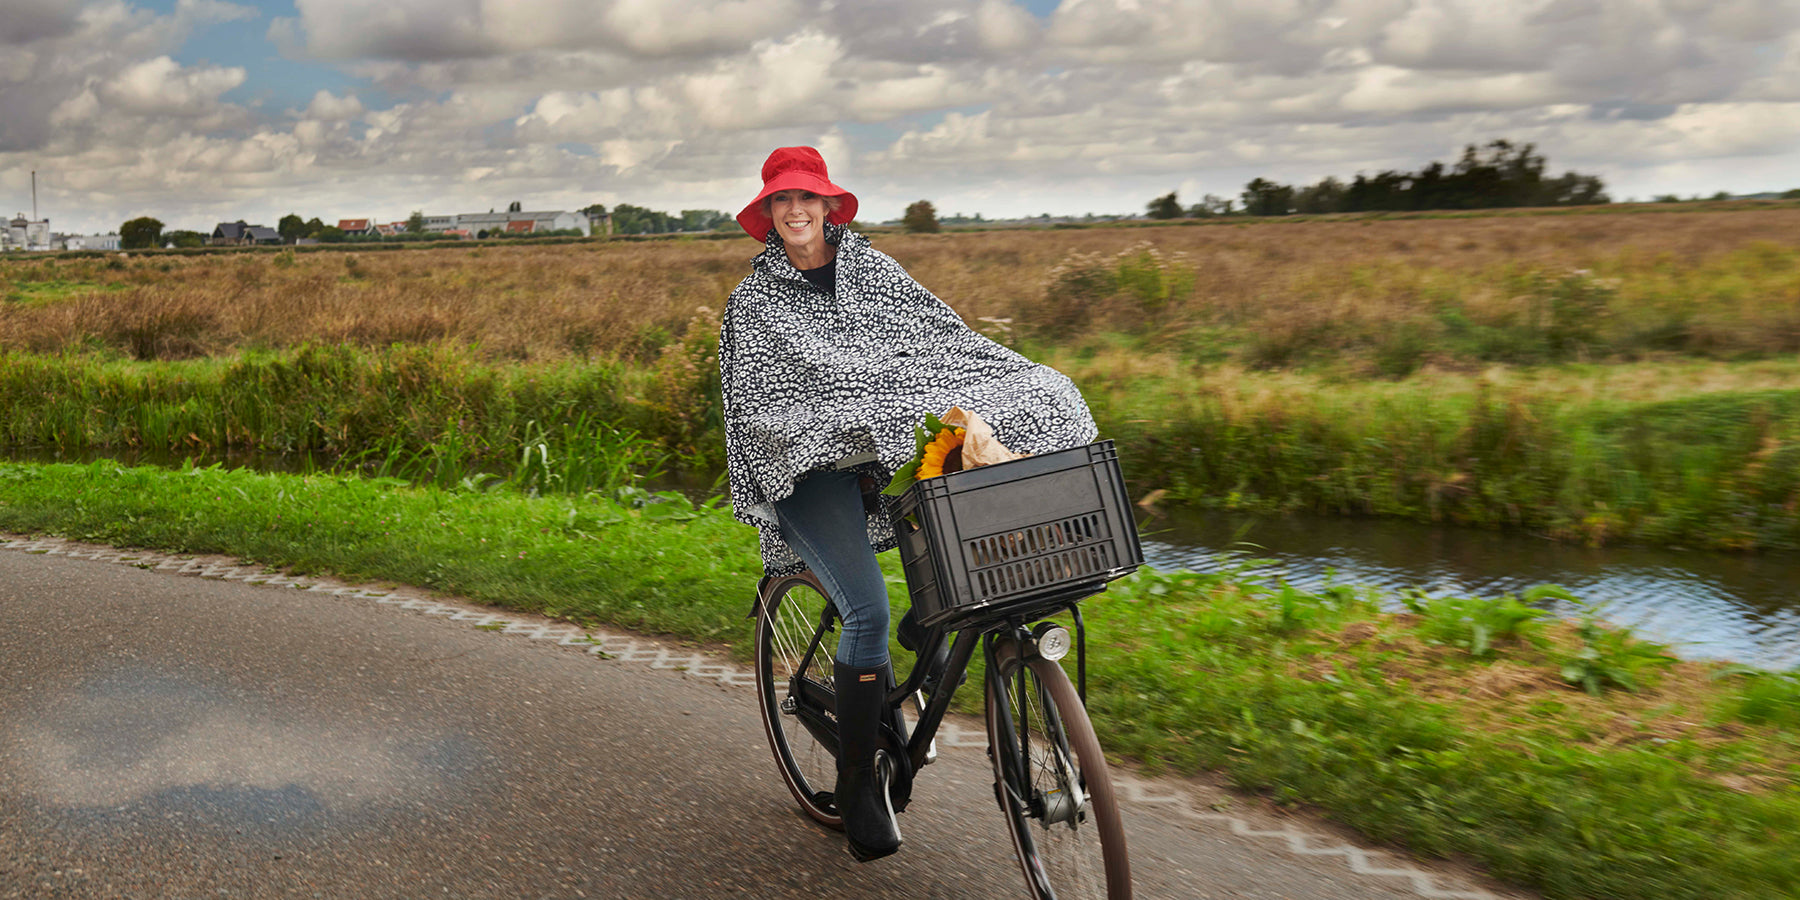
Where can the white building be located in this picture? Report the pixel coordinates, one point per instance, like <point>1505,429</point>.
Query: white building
<point>91,242</point>
<point>24,234</point>
<point>529,222</point>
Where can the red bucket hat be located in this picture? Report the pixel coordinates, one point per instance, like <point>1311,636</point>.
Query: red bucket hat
<point>795,168</point>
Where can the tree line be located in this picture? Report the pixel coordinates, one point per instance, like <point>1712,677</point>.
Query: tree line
<point>1502,174</point>
<point>146,232</point>
<point>629,219</point>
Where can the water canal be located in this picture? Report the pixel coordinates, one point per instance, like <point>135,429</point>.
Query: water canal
<point>1706,605</point>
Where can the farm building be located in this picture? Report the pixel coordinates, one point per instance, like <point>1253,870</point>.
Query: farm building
<point>91,242</point>
<point>238,234</point>
<point>527,222</point>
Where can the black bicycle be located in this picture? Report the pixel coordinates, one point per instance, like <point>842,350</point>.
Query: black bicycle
<point>1050,776</point>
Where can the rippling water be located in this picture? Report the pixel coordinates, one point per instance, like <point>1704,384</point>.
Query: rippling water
<point>1705,605</point>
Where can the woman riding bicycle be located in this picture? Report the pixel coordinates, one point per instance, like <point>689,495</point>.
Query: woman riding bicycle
<point>829,355</point>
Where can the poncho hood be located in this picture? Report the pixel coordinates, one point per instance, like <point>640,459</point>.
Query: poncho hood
<point>815,380</point>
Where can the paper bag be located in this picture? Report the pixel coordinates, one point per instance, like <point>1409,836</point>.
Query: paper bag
<point>980,447</point>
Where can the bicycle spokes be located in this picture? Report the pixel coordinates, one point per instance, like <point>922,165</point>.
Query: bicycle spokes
<point>1065,829</point>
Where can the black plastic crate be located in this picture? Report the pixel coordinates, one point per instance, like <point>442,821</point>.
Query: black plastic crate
<point>1006,538</point>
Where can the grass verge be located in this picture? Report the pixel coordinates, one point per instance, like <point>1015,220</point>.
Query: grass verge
<point>1696,454</point>
<point>1573,759</point>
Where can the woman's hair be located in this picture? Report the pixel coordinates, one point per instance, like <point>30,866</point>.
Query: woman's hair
<point>832,202</point>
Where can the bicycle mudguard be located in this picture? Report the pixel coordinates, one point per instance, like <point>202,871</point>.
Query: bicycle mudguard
<point>762,584</point>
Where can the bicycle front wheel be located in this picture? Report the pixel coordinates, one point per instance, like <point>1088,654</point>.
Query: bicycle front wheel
<point>795,646</point>
<point>1053,784</point>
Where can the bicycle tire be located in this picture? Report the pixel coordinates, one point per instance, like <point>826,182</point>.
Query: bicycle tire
<point>1066,850</point>
<point>786,624</point>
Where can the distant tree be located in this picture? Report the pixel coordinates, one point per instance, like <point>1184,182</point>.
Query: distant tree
<point>702,219</point>
<point>313,227</point>
<point>330,234</point>
<point>597,209</point>
<point>514,207</point>
<point>1209,206</point>
<point>1791,194</point>
<point>1266,198</point>
<point>629,219</point>
<point>185,239</point>
<point>1668,198</point>
<point>1164,207</point>
<point>1571,189</point>
<point>1325,197</point>
<point>1721,195</point>
<point>415,223</point>
<point>1499,174</point>
<point>291,228</point>
<point>921,218</point>
<point>140,233</point>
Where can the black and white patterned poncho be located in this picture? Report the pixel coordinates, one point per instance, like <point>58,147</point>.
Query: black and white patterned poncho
<point>815,381</point>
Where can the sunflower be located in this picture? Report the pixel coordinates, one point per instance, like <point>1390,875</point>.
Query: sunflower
<point>942,455</point>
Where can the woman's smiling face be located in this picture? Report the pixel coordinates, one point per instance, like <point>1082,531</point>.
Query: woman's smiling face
<point>799,217</point>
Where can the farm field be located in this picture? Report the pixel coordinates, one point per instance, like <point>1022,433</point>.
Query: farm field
<point>1591,377</point>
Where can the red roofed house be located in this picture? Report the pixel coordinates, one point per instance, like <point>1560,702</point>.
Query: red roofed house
<point>520,227</point>
<point>354,226</point>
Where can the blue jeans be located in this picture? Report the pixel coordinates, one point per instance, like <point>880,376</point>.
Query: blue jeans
<point>823,520</point>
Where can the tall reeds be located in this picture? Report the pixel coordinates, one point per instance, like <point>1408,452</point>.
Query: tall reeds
<point>1545,372</point>
<point>427,413</point>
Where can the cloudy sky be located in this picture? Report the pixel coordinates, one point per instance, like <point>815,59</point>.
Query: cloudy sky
<point>200,110</point>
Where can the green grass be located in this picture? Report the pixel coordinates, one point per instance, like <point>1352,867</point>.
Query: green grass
<point>52,290</point>
<point>1457,727</point>
<point>1580,453</point>
<point>430,411</point>
<point>1575,453</point>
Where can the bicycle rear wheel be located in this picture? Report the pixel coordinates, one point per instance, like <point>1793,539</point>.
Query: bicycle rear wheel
<point>795,692</point>
<point>1053,784</point>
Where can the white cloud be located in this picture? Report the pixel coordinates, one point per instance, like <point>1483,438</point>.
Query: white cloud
<point>1005,28</point>
<point>206,12</point>
<point>1700,131</point>
<point>437,30</point>
<point>327,107</point>
<point>473,103</point>
<point>161,87</point>
<point>28,21</point>
<point>660,28</point>
<point>1386,91</point>
<point>777,83</point>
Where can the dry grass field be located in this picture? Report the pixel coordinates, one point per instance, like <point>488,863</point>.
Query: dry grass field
<point>1626,375</point>
<point>1270,293</point>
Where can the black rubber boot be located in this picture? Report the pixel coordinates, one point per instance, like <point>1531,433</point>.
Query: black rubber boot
<point>862,792</point>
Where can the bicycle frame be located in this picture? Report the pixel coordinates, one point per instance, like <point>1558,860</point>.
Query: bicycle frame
<point>1008,632</point>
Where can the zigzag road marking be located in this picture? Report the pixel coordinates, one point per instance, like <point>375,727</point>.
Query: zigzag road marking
<point>635,649</point>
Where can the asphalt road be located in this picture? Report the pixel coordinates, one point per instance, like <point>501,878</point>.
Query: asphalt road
<point>169,736</point>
